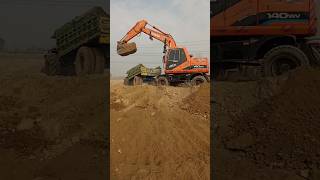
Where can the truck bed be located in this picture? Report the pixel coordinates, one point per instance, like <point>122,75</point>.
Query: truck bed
<point>91,27</point>
<point>143,71</point>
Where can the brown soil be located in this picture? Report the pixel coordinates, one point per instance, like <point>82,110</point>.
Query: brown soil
<point>50,127</point>
<point>268,127</point>
<point>159,132</point>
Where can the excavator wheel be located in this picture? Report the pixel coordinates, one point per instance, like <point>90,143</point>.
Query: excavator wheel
<point>282,59</point>
<point>84,61</point>
<point>162,81</point>
<point>316,54</point>
<point>197,80</point>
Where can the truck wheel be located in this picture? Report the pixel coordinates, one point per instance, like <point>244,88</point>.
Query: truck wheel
<point>281,59</point>
<point>197,80</point>
<point>52,65</point>
<point>162,81</point>
<point>137,80</point>
<point>99,62</point>
<point>84,61</point>
<point>126,81</point>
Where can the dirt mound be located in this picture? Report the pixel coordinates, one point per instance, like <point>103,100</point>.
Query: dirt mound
<point>51,127</point>
<point>285,128</point>
<point>198,102</point>
<point>279,128</point>
<point>154,136</point>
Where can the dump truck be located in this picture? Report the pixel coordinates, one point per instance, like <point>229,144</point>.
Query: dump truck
<point>82,45</point>
<point>141,74</point>
<point>261,38</point>
<point>180,67</point>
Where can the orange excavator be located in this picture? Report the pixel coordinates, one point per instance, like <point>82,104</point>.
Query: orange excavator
<point>262,37</point>
<point>179,65</point>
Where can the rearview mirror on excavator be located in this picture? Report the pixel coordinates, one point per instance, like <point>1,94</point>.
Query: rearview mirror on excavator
<point>125,49</point>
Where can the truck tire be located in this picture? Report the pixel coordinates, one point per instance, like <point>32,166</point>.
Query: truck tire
<point>281,59</point>
<point>162,81</point>
<point>52,65</point>
<point>137,80</point>
<point>84,61</point>
<point>126,82</point>
<point>197,80</point>
<point>99,62</point>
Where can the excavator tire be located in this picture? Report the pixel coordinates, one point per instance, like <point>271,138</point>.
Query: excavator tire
<point>281,59</point>
<point>99,62</point>
<point>84,61</point>
<point>316,54</point>
<point>52,65</point>
<point>197,80</point>
<point>162,81</point>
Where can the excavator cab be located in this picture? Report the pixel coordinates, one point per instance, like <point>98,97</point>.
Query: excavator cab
<point>125,49</point>
<point>175,57</point>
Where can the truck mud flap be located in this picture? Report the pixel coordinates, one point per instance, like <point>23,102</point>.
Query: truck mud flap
<point>125,49</point>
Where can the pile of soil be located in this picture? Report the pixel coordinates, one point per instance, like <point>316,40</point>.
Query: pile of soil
<point>198,102</point>
<point>154,135</point>
<point>285,129</point>
<point>51,127</point>
<point>272,132</point>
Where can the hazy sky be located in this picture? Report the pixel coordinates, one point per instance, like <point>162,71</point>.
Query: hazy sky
<point>186,20</point>
<point>27,23</point>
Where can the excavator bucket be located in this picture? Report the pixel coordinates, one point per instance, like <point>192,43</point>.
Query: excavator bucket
<point>125,49</point>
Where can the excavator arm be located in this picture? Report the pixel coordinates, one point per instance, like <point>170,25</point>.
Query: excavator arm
<point>125,48</point>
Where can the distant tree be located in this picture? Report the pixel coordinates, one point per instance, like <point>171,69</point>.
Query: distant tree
<point>2,43</point>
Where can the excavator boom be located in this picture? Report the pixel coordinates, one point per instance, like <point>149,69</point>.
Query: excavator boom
<point>124,48</point>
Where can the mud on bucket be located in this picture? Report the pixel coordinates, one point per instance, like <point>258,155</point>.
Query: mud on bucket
<point>125,49</point>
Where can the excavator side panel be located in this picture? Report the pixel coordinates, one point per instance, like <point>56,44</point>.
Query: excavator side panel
<point>262,17</point>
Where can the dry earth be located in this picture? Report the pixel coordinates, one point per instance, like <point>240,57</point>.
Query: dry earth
<point>268,129</point>
<point>159,132</point>
<point>50,127</point>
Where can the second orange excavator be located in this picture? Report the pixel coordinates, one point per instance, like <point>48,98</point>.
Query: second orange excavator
<point>179,65</point>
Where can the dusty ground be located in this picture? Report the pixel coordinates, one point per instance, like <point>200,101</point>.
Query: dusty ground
<point>159,132</point>
<point>268,129</point>
<point>50,127</point>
